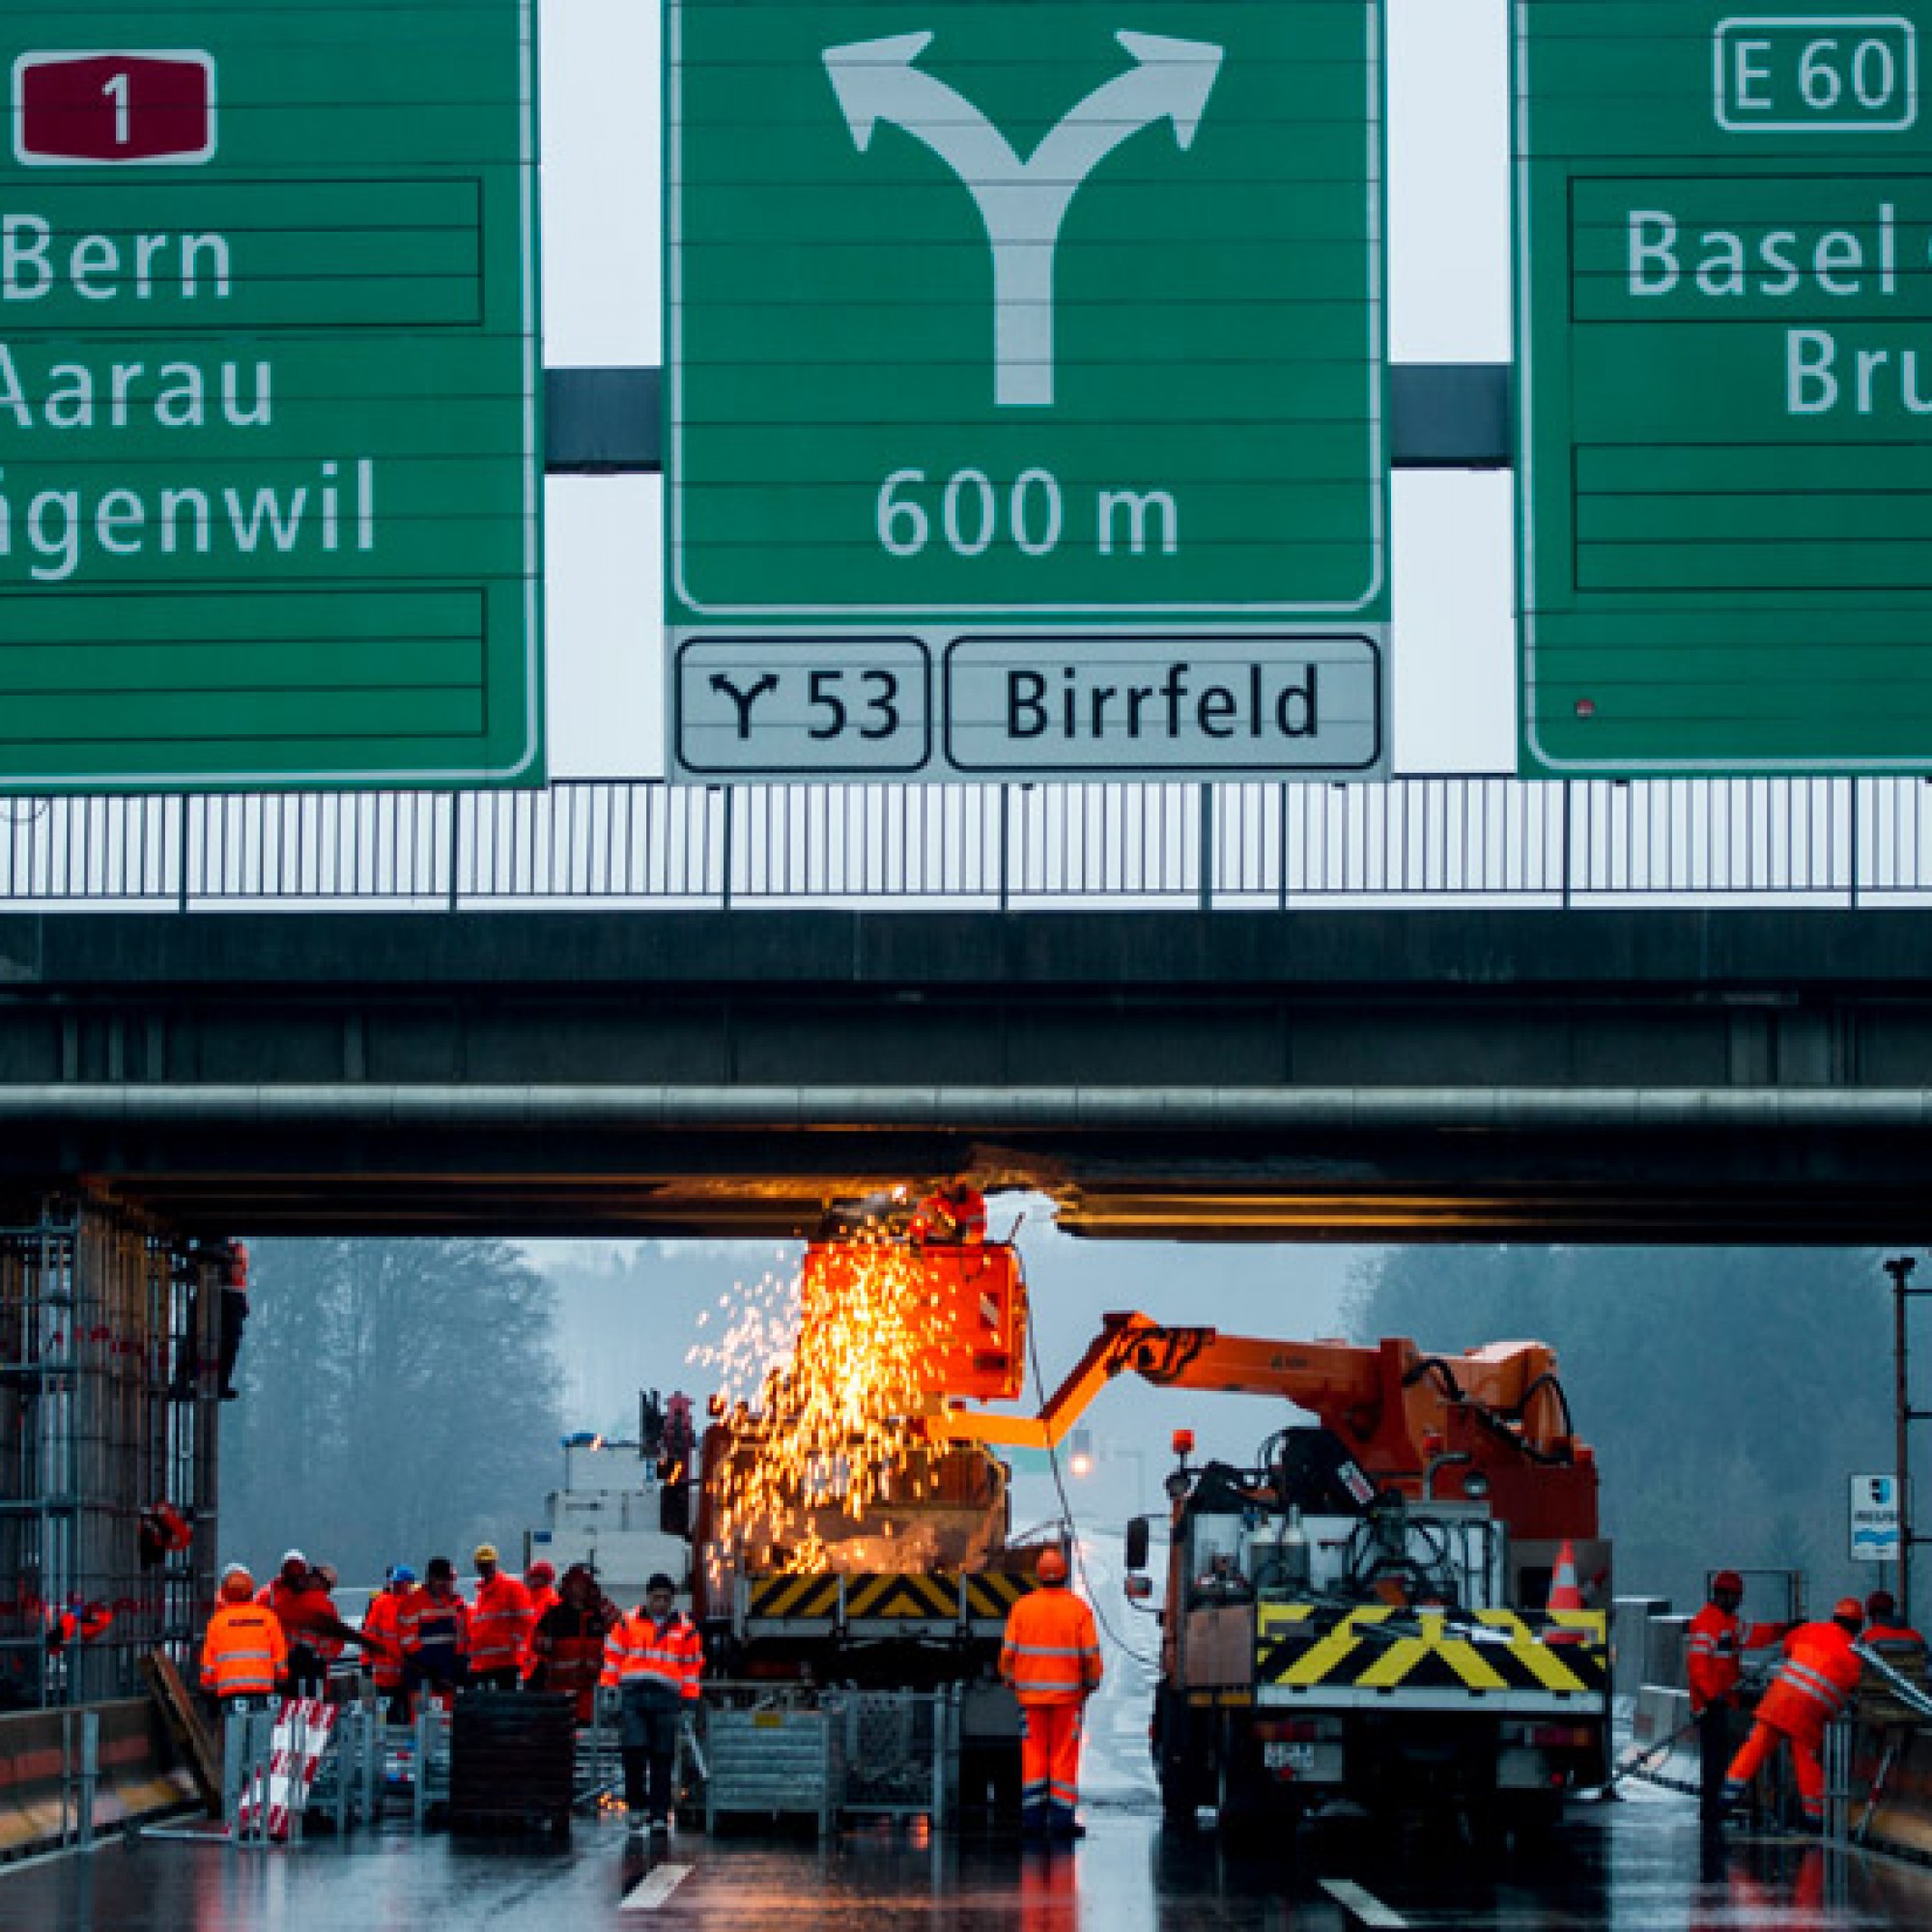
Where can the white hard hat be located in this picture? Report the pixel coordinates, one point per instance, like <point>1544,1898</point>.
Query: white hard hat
<point>293,1556</point>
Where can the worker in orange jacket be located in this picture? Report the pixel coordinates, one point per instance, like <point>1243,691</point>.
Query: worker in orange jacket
<point>1051,1657</point>
<point>244,1653</point>
<point>435,1626</point>
<point>500,1624</point>
<point>540,1580</point>
<point>1819,1673</point>
<point>952,1215</point>
<point>1883,1627</point>
<point>653,1659</point>
<point>382,1633</point>
<point>307,1612</point>
<point>1714,1668</point>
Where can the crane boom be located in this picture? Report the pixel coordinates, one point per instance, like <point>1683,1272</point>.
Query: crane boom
<point>1497,1411</point>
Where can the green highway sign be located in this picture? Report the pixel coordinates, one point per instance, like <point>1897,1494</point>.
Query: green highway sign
<point>1024,408</point>
<point>1724,309</point>
<point>269,457</point>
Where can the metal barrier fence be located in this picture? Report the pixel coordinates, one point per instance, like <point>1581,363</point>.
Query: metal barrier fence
<point>1460,839</point>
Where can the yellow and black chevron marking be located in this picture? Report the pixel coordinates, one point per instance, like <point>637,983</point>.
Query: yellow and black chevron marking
<point>992,1593</point>
<point>901,1594</point>
<point>813,1596</point>
<point>1301,1647</point>
<point>883,1594</point>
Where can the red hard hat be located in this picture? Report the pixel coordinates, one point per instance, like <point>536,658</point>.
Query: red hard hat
<point>1881,1603</point>
<point>1850,1609</point>
<point>1051,1567</point>
<point>1727,1580</point>
<point>541,1571</point>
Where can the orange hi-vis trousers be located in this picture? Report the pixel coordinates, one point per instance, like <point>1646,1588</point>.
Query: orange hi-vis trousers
<point>1805,1762</point>
<point>1050,1762</point>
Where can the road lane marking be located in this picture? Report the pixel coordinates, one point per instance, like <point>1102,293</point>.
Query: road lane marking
<point>655,1887</point>
<point>1361,1904</point>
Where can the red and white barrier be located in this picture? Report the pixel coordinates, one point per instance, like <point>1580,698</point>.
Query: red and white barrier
<point>303,1727</point>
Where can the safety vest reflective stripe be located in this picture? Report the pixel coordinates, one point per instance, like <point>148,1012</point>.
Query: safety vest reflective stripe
<point>1814,1685</point>
<point>674,1657</point>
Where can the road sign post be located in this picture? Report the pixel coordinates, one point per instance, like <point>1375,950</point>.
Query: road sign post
<point>1025,409</point>
<point>1724,292</point>
<point>269,456</point>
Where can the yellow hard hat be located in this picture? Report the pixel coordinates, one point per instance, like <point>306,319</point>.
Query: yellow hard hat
<point>486,1552</point>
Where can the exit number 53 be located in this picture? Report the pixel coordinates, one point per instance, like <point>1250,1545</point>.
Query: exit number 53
<point>1792,75</point>
<point>97,110</point>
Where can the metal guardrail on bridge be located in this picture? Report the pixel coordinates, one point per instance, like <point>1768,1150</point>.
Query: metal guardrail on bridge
<point>1462,840</point>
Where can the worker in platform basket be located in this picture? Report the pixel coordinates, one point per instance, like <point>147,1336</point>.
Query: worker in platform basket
<point>653,1661</point>
<point>244,1655</point>
<point>500,1624</point>
<point>1816,1679</point>
<point>1051,1657</point>
<point>952,1215</point>
<point>1714,1665</point>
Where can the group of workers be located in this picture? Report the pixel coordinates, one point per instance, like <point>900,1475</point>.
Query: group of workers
<point>424,1637</point>
<point>419,1637</point>
<point>1817,1673</point>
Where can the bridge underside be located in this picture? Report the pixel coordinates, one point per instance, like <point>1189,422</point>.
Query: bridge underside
<point>1726,1077</point>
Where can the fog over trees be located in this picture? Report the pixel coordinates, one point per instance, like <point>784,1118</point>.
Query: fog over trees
<point>399,1401</point>
<point>1729,1393</point>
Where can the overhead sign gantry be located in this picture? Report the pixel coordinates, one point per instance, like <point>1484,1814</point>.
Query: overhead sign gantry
<point>1025,368</point>
<point>1725,300</point>
<point>270,454</point>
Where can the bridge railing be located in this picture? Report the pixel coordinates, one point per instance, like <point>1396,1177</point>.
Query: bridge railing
<point>1463,838</point>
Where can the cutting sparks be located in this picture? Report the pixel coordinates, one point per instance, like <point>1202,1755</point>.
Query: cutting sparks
<point>823,1378</point>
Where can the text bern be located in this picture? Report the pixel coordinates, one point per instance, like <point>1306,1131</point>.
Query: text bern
<point>1096,705</point>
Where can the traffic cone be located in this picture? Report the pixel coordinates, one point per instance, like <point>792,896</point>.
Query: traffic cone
<point>1564,1593</point>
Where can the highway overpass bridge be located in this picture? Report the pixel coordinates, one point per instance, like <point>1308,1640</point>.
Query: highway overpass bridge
<point>1758,1075</point>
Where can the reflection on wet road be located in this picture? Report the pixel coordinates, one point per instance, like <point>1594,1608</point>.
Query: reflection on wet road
<point>1635,1865</point>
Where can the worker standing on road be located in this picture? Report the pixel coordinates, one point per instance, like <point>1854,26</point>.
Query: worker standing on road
<point>1819,1673</point>
<point>307,1612</point>
<point>540,1580</point>
<point>1714,1666</point>
<point>567,1650</point>
<point>500,1624</point>
<point>1882,1629</point>
<point>382,1632</point>
<point>1051,1658</point>
<point>435,1626</point>
<point>245,1654</point>
<point>653,1660</point>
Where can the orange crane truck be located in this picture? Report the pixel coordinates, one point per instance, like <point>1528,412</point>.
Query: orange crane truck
<point>1385,1606</point>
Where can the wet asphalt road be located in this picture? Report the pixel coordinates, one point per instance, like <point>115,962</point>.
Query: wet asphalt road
<point>1635,1865</point>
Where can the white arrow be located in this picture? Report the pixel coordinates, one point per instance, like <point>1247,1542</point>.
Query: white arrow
<point>1022,203</point>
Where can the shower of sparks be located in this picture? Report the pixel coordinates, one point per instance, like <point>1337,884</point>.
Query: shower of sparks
<point>824,1377</point>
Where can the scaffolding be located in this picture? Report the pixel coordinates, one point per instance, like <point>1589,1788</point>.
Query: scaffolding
<point>109,1393</point>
